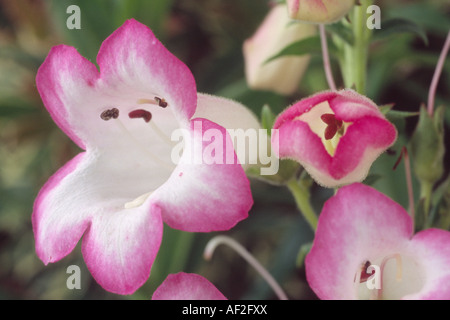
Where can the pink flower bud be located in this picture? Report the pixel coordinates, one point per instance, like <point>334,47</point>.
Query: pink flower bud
<point>319,11</point>
<point>334,135</point>
<point>275,33</point>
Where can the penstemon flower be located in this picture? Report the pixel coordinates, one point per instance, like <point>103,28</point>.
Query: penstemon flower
<point>319,11</point>
<point>365,248</point>
<point>187,286</point>
<point>335,135</point>
<point>276,32</point>
<point>120,190</point>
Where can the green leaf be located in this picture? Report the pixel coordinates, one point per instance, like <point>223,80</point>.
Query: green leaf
<point>401,114</point>
<point>372,178</point>
<point>342,32</point>
<point>310,45</point>
<point>386,108</point>
<point>399,25</point>
<point>395,114</point>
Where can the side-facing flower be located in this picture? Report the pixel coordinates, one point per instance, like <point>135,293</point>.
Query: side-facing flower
<point>120,190</point>
<point>335,135</point>
<point>319,11</point>
<point>365,248</point>
<point>187,286</point>
<point>277,31</point>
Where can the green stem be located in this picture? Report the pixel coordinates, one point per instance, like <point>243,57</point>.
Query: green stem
<point>355,56</point>
<point>301,196</point>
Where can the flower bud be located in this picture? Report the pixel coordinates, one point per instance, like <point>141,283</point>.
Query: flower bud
<point>281,75</point>
<point>427,146</point>
<point>319,11</point>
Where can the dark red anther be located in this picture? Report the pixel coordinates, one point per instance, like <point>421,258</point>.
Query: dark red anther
<point>140,113</point>
<point>161,102</point>
<point>110,114</point>
<point>364,275</point>
<point>333,125</point>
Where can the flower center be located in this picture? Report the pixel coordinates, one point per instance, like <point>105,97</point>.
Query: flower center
<point>322,120</point>
<point>137,137</point>
<point>394,277</point>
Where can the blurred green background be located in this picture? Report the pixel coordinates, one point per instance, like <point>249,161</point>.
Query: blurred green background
<point>207,35</point>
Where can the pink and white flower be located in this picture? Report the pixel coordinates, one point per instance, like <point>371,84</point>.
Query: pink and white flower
<point>334,135</point>
<point>361,227</point>
<point>319,11</point>
<point>187,286</point>
<point>118,192</point>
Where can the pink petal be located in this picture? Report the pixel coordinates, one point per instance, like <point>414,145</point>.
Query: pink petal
<point>120,246</point>
<point>65,80</point>
<point>187,286</point>
<point>134,66</point>
<point>89,196</point>
<point>357,224</point>
<point>132,59</point>
<point>432,246</point>
<point>56,230</point>
<point>202,195</point>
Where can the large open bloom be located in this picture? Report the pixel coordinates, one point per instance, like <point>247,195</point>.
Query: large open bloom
<point>365,248</point>
<point>187,286</point>
<point>277,31</point>
<point>319,11</point>
<point>119,191</point>
<point>335,135</point>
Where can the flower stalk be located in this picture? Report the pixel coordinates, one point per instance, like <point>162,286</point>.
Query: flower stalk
<point>302,195</point>
<point>326,58</point>
<point>437,74</point>
<point>214,242</point>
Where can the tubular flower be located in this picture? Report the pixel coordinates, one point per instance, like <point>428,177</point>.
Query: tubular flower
<point>118,192</point>
<point>319,11</point>
<point>283,74</point>
<point>187,286</point>
<point>365,248</point>
<point>335,135</point>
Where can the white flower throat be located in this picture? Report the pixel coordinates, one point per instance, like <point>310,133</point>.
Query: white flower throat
<point>114,113</point>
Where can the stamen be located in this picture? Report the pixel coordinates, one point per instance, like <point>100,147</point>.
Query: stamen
<point>141,113</point>
<point>398,277</point>
<point>334,125</point>
<point>110,114</point>
<point>364,275</point>
<point>161,102</point>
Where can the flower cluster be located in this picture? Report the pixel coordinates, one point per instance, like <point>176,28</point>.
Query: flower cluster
<point>119,191</point>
